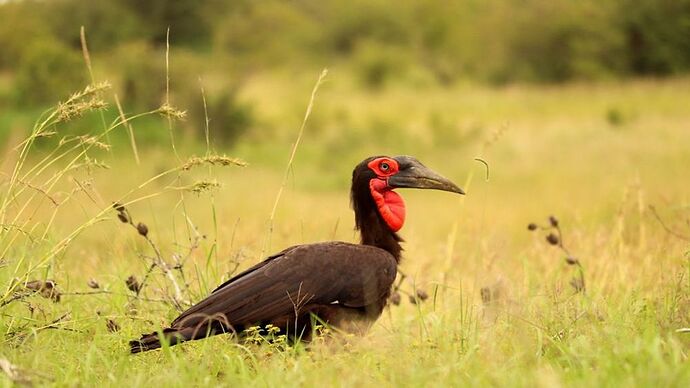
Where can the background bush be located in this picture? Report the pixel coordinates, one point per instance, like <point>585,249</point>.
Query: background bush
<point>381,42</point>
<point>48,71</point>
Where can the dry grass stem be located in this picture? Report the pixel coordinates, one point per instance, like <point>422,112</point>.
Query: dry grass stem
<point>293,152</point>
<point>130,129</point>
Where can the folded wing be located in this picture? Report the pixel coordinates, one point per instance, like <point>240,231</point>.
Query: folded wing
<point>353,276</point>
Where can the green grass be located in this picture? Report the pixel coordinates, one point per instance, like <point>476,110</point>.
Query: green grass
<point>551,150</point>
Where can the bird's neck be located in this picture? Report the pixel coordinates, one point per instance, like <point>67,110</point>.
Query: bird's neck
<point>374,229</point>
<point>375,232</point>
<point>379,235</point>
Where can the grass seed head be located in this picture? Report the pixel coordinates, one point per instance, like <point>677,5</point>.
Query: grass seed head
<point>122,216</point>
<point>75,108</point>
<point>89,90</point>
<point>395,298</point>
<point>92,283</point>
<point>422,295</point>
<point>485,293</point>
<point>571,260</point>
<point>133,284</point>
<point>214,160</point>
<point>553,221</point>
<point>47,289</point>
<point>552,239</point>
<point>143,229</point>
<point>112,326</point>
<point>202,186</point>
<point>532,226</point>
<point>172,112</point>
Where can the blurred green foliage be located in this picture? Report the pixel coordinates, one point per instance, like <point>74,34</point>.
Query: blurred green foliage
<point>142,75</point>
<point>47,69</point>
<point>379,41</point>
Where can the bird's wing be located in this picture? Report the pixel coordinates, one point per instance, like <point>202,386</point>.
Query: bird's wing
<point>327,273</point>
<point>253,268</point>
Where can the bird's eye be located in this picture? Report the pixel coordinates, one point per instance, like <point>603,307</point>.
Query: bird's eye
<point>384,167</point>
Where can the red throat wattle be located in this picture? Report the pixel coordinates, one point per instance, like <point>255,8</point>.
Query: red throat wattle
<point>390,204</point>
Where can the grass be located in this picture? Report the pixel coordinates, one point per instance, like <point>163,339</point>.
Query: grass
<point>551,150</point>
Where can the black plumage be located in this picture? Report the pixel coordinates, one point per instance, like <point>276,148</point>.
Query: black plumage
<point>336,283</point>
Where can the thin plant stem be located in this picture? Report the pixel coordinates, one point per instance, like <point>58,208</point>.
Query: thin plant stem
<point>293,152</point>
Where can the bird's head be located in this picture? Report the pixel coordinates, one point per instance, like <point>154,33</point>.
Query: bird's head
<point>377,176</point>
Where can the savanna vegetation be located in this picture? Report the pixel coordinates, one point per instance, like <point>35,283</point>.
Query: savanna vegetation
<point>141,167</point>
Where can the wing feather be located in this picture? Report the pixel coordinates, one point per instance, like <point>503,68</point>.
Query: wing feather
<point>349,274</point>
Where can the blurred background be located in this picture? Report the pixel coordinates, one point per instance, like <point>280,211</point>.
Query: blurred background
<point>576,101</point>
<point>249,55</point>
<point>573,104</point>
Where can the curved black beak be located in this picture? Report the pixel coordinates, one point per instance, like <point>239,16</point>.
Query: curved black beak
<point>413,174</point>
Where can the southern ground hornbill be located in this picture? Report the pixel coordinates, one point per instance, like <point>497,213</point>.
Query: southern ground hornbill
<point>336,283</point>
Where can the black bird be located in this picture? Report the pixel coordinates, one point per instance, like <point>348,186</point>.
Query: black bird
<point>336,283</point>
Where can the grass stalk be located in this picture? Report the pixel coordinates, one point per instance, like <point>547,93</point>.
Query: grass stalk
<point>293,152</point>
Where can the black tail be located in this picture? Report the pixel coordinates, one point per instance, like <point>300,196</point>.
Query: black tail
<point>153,340</point>
<point>175,336</point>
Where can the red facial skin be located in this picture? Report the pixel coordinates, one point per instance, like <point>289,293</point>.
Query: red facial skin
<point>390,204</point>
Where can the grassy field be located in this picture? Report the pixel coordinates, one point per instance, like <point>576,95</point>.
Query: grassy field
<point>609,160</point>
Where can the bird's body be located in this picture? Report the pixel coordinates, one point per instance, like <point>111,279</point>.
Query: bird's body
<point>334,283</point>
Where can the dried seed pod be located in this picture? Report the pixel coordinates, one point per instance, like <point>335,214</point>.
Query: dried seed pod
<point>571,260</point>
<point>395,298</point>
<point>413,299</point>
<point>422,295</point>
<point>34,285</point>
<point>553,221</point>
<point>112,325</point>
<point>47,289</point>
<point>50,291</point>
<point>119,207</point>
<point>92,283</point>
<point>123,217</point>
<point>531,226</point>
<point>142,229</point>
<point>485,292</point>
<point>133,284</point>
<point>552,239</point>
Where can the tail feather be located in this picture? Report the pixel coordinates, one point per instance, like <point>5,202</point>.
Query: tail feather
<point>153,340</point>
<point>175,336</point>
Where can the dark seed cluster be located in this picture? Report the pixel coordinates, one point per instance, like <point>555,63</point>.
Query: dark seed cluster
<point>47,289</point>
<point>143,229</point>
<point>124,217</point>
<point>417,296</point>
<point>554,237</point>
<point>133,284</point>
<point>112,326</point>
<point>122,213</point>
<point>395,298</point>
